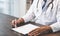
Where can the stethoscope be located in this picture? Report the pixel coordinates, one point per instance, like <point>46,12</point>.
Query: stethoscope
<point>42,8</point>
<point>45,4</point>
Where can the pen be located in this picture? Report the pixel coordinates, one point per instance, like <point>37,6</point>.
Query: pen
<point>15,24</point>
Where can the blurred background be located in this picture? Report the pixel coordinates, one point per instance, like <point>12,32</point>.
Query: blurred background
<point>16,8</point>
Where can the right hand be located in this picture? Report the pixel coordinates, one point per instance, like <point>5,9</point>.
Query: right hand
<point>17,21</point>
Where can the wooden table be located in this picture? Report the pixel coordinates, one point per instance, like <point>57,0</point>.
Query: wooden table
<point>5,27</point>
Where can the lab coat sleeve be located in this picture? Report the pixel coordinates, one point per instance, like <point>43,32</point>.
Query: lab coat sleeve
<point>30,13</point>
<point>56,26</point>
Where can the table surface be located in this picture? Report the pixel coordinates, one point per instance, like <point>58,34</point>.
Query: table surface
<point>5,27</point>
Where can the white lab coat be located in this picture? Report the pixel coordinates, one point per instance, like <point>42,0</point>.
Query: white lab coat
<point>46,17</point>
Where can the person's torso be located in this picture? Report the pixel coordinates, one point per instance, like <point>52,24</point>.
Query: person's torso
<point>46,16</point>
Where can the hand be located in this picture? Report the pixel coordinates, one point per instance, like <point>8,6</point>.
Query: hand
<point>39,31</point>
<point>17,21</point>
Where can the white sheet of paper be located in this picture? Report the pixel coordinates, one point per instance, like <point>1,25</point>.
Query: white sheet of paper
<point>25,29</point>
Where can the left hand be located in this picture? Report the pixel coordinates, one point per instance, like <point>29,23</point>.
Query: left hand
<point>40,30</point>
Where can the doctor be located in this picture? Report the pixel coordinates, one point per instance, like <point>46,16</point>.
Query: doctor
<point>44,12</point>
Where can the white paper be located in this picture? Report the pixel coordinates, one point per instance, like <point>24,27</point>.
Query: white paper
<point>25,29</point>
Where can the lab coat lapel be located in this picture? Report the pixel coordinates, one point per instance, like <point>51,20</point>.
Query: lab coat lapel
<point>39,8</point>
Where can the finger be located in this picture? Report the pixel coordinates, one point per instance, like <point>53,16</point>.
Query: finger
<point>30,34</point>
<point>35,31</point>
<point>18,21</point>
<point>13,22</point>
<point>37,34</point>
<point>34,34</point>
<point>32,31</point>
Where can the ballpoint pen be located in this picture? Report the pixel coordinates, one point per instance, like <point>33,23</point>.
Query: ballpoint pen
<point>15,24</point>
